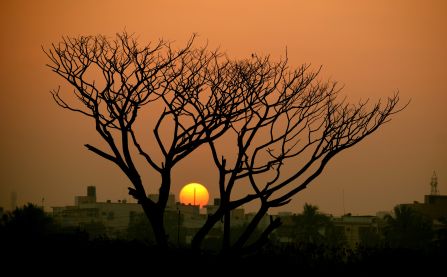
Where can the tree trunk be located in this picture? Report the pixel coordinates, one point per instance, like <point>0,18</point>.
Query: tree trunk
<point>198,238</point>
<point>263,238</point>
<point>156,216</point>
<point>152,210</point>
<point>226,232</point>
<point>250,228</point>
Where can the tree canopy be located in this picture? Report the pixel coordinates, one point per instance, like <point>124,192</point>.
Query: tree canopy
<point>271,116</point>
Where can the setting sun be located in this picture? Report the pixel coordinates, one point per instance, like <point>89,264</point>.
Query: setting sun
<point>194,194</point>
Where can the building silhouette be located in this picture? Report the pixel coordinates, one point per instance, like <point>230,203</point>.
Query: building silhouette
<point>183,221</point>
<point>98,218</point>
<point>434,206</point>
<point>356,228</point>
<point>113,218</point>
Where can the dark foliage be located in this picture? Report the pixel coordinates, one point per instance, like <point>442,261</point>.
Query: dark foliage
<point>408,229</point>
<point>32,243</point>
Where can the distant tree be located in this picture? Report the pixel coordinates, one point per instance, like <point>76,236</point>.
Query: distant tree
<point>408,228</point>
<point>295,127</point>
<point>311,225</point>
<point>26,223</point>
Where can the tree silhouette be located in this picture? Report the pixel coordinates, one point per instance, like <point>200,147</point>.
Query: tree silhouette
<point>25,224</point>
<point>311,225</point>
<point>115,80</point>
<point>408,228</point>
<point>284,123</point>
<point>286,141</point>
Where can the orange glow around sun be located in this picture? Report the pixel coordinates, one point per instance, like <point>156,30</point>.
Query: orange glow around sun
<point>194,194</point>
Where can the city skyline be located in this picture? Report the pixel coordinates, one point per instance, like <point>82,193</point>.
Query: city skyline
<point>434,190</point>
<point>372,49</point>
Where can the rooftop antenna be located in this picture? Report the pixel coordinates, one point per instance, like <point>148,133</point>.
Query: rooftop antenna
<point>434,184</point>
<point>194,196</point>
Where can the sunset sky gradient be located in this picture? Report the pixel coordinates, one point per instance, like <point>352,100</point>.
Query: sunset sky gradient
<point>372,48</point>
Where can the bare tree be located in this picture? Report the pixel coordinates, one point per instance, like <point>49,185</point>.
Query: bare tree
<point>114,79</point>
<point>285,141</point>
<point>285,125</point>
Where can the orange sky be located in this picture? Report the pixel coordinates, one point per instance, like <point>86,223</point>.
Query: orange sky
<point>373,48</point>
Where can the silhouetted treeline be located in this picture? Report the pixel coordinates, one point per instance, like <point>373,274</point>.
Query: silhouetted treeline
<point>31,238</point>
